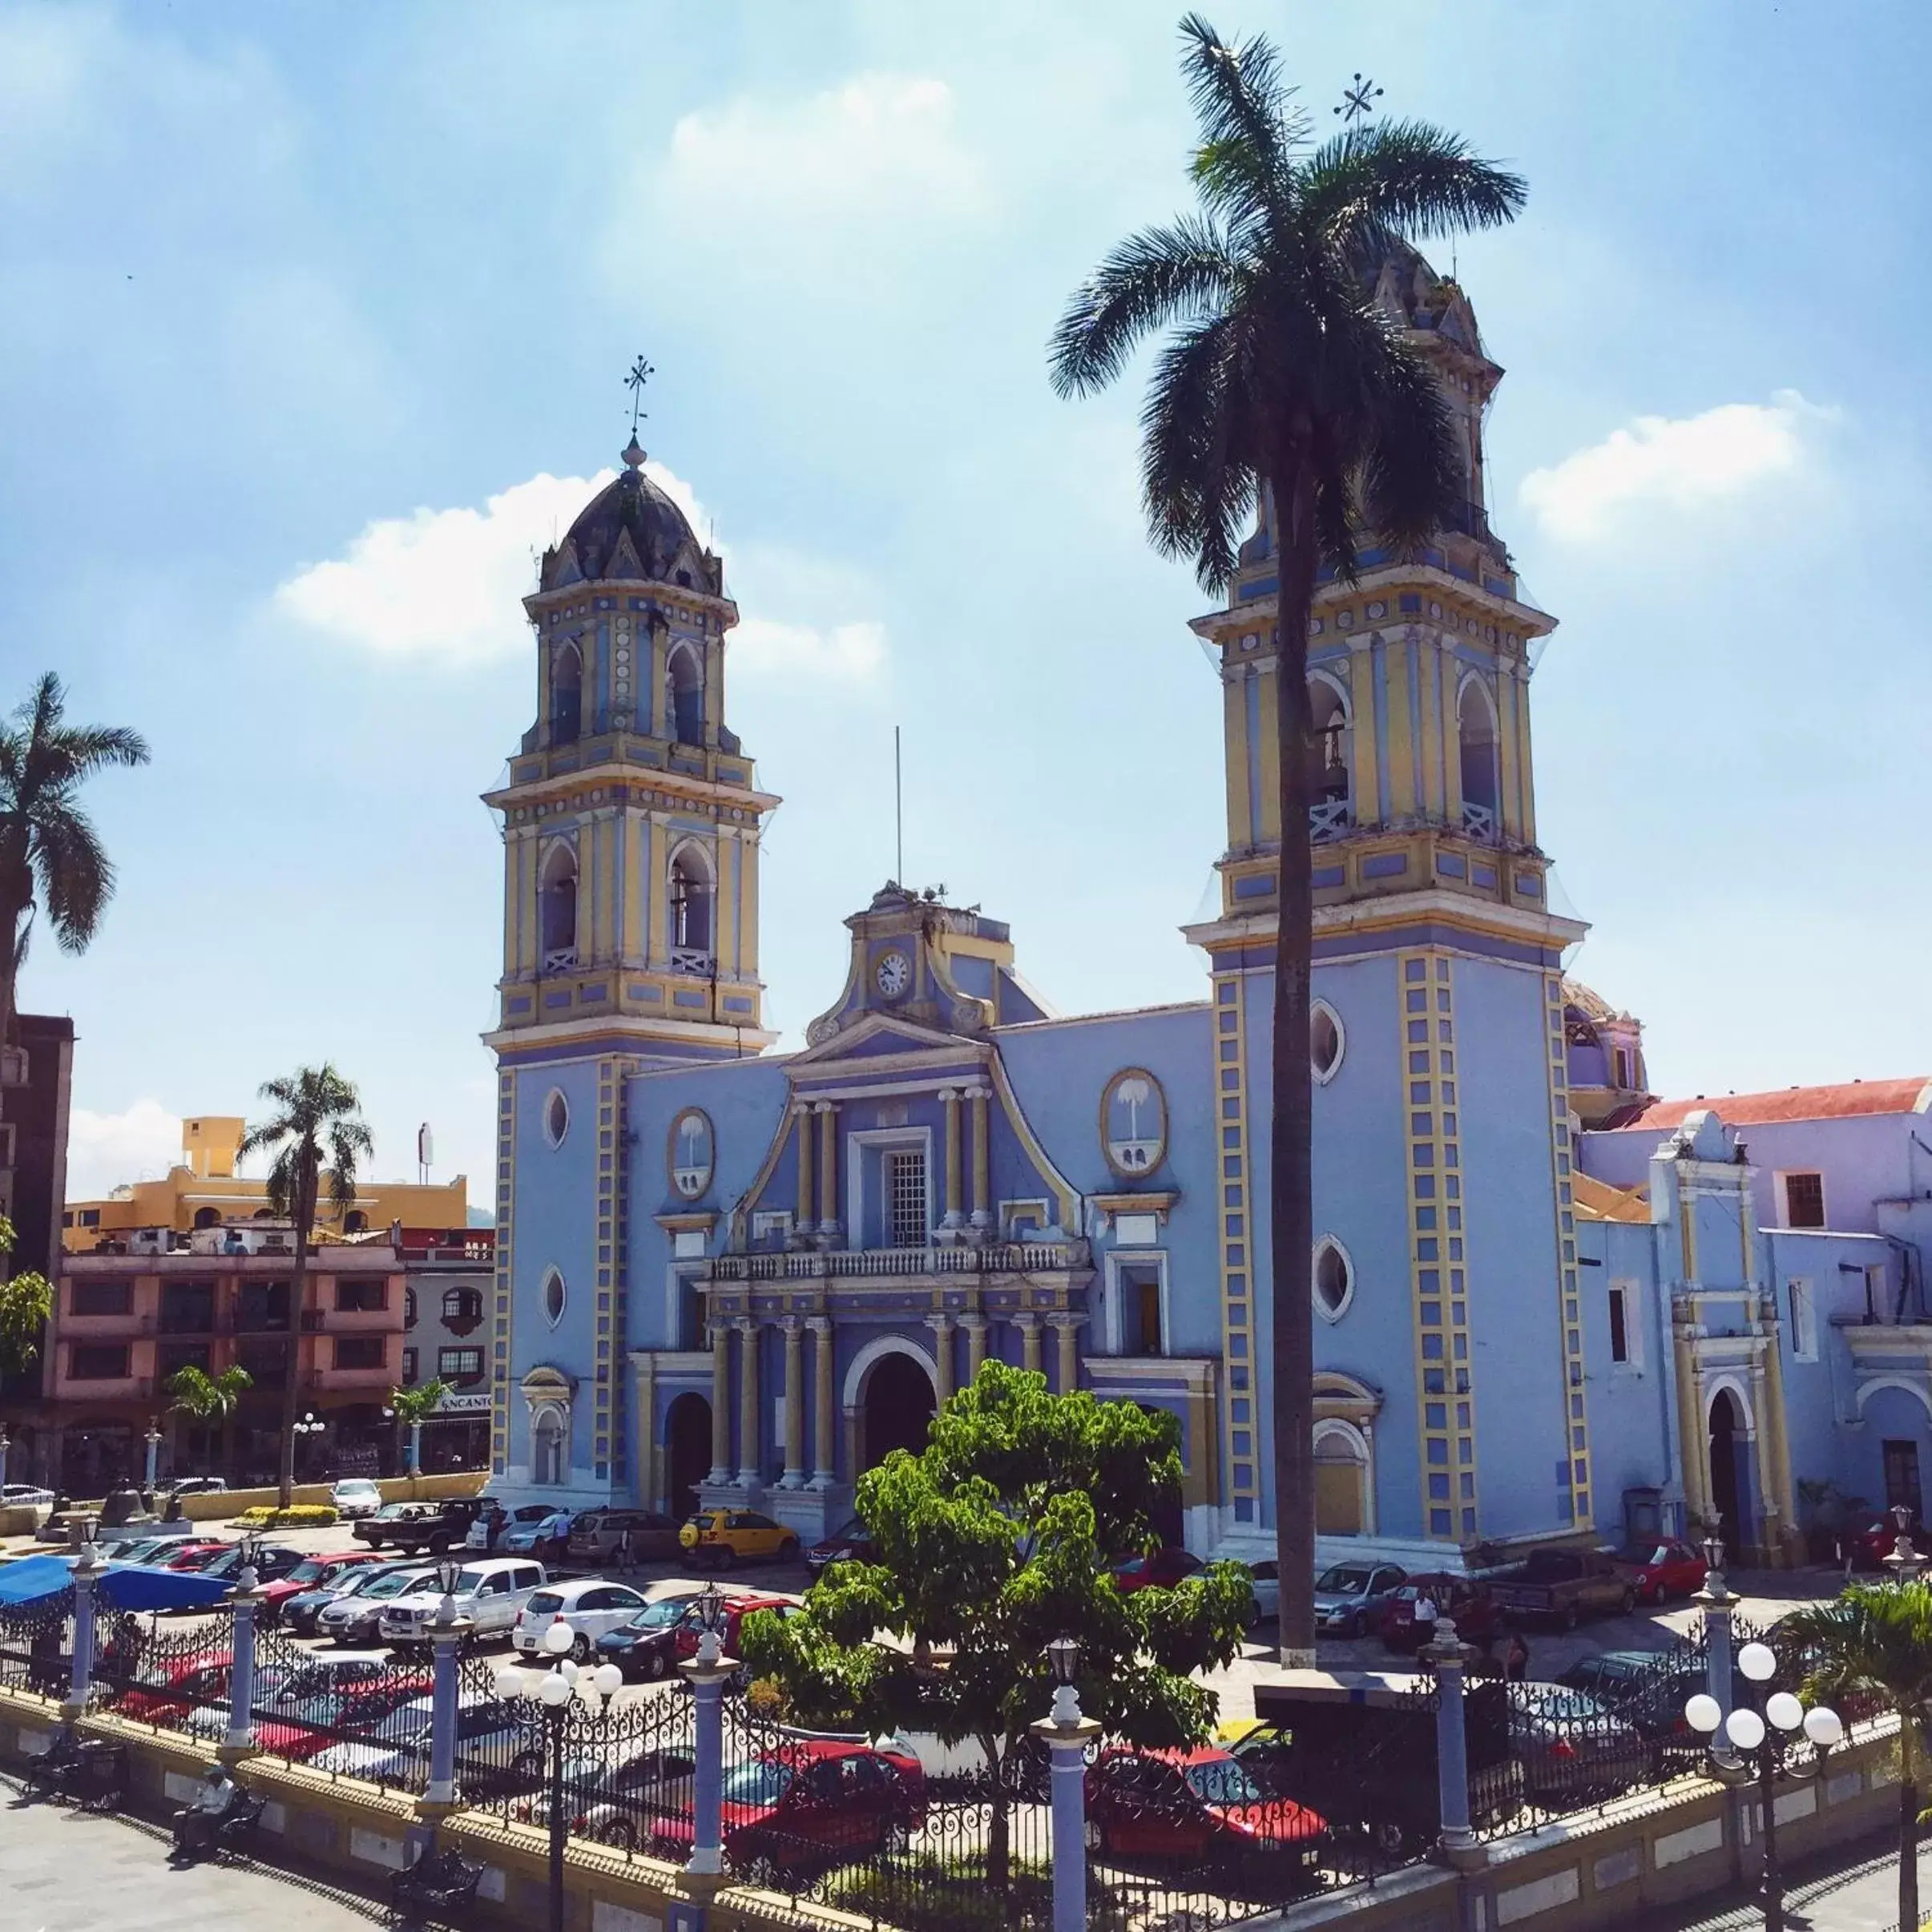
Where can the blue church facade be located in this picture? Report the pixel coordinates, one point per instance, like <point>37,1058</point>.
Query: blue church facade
<point>730,1274</point>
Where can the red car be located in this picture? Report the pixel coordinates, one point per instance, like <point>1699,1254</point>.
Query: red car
<point>314,1573</point>
<point>323,1720</point>
<point>195,1555</point>
<point>1161,1570</point>
<point>736,1610</point>
<point>1661,1571</point>
<point>1464,1601</point>
<point>810,1805</point>
<point>1198,1807</point>
<point>184,1683</point>
<point>1869,1541</point>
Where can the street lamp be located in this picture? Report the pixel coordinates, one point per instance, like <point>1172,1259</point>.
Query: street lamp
<point>153,1440</point>
<point>1904,1562</point>
<point>1770,1736</point>
<point>711,1624</point>
<point>553,1692</point>
<point>308,1426</point>
<point>449,1573</point>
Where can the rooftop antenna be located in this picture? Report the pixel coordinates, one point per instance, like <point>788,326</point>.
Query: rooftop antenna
<point>1358,103</point>
<point>641,372</point>
<point>898,814</point>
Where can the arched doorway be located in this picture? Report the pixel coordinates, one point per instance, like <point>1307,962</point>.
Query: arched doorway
<point>898,1409</point>
<point>1341,1480</point>
<point>687,1453</point>
<point>1727,1489</point>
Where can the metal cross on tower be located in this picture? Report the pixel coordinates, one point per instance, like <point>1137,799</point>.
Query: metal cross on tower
<point>1359,101</point>
<point>641,372</point>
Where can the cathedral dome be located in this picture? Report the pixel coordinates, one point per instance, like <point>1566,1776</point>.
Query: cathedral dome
<point>631,531</point>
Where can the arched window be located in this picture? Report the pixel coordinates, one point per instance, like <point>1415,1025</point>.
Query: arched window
<point>554,1295</point>
<point>558,895</point>
<point>355,1222</point>
<point>684,695</point>
<point>408,1308</point>
<point>1331,758</point>
<point>549,1449</point>
<point>208,1217</point>
<point>691,909</point>
<point>556,1117</point>
<point>462,1305</point>
<point>1334,1278</point>
<point>1326,1041</point>
<point>1476,734</point>
<point>566,695</point>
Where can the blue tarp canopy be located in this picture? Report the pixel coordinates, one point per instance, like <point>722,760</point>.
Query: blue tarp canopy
<point>121,1587</point>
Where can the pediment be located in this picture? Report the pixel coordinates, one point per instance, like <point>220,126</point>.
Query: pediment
<point>874,1036</point>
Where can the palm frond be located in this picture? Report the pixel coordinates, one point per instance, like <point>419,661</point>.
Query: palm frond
<point>1198,475</point>
<point>1413,475</point>
<point>1238,98</point>
<point>76,876</point>
<point>1176,273</point>
<point>1407,179</point>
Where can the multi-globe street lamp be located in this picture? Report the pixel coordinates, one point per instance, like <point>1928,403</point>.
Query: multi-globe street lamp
<point>1767,1738</point>
<point>302,1431</point>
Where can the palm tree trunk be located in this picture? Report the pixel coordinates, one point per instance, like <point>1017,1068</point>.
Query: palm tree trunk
<point>304,1219</point>
<point>1291,1242</point>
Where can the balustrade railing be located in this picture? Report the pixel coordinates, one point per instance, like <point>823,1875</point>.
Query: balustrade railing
<point>1479,822</point>
<point>1329,818</point>
<point>559,958</point>
<point>1000,1257</point>
<point>693,961</point>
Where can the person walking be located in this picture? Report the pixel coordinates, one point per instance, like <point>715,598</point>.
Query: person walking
<point>1425,1614</point>
<point>626,1560</point>
<point>1516,1659</point>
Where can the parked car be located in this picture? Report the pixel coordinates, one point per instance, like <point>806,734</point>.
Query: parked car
<point>1870,1537</point>
<point>1573,1749</point>
<point>168,1694</point>
<point>197,1486</point>
<point>196,1553</point>
<point>1349,1597</point>
<point>592,1606</point>
<point>724,1537</point>
<point>1200,1807</point>
<point>850,1543</point>
<point>736,1610</point>
<point>372,1711</point>
<point>357,1618</point>
<point>1563,1587</point>
<point>1648,1691</point>
<point>24,1496</point>
<point>499,1747</point>
<point>808,1804</point>
<point>379,1529</point>
<point>299,1612</point>
<point>1661,1571</point>
<point>494,1524</point>
<point>313,1573</point>
<point>355,1497</point>
<point>430,1526</point>
<point>628,1805</point>
<point>148,1549</point>
<point>595,1534</point>
<point>491,1592</point>
<point>283,1695</point>
<point>645,1645</point>
<point>1160,1569</point>
<point>271,1560</point>
<point>1469,1603</point>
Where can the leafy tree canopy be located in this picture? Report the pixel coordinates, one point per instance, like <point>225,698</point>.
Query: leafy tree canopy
<point>996,1539</point>
<point>26,1302</point>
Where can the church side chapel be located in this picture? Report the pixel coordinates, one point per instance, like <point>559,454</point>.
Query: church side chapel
<point>732,1276</point>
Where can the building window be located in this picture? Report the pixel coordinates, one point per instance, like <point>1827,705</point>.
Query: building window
<point>175,1356</point>
<point>462,1305</point>
<point>1626,1330</point>
<point>1334,1278</point>
<point>1804,1321</point>
<point>409,1368</point>
<point>358,1351</point>
<point>771,1228</point>
<point>556,1117</point>
<point>1622,1057</point>
<point>460,1365</point>
<point>1325,1042</point>
<point>905,1198</point>
<point>1803,1199</point>
<point>1901,1476</point>
<point>566,695</point>
<point>684,695</point>
<point>361,1297</point>
<point>559,908</point>
<point>97,1362</point>
<point>355,1222</point>
<point>1142,1319</point>
<point>91,1217</point>
<point>690,889</point>
<point>555,1296</point>
<point>102,1297</point>
<point>408,1308</point>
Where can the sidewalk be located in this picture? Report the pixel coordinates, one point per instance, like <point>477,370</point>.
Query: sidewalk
<point>1855,1890</point>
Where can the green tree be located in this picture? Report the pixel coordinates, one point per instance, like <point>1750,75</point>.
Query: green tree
<point>50,853</point>
<point>211,1399</point>
<point>27,1301</point>
<point>316,1117</point>
<point>1284,386</point>
<point>413,1407</point>
<point>993,1541</point>
<point>1874,1643</point>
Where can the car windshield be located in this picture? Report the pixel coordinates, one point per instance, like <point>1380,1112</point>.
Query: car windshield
<point>660,1616</point>
<point>357,1486</point>
<point>847,1532</point>
<point>311,1569</point>
<point>1344,1580</point>
<point>544,1602</point>
<point>762,1783</point>
<point>396,1581</point>
<point>1220,1780</point>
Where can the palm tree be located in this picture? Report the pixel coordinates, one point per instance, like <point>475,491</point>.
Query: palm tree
<point>1283,388</point>
<point>49,853</point>
<point>315,1110</point>
<point>206,1398</point>
<point>1874,1643</point>
<point>413,1406</point>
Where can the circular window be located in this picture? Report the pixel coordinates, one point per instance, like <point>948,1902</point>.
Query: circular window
<point>554,1297</point>
<point>1326,1041</point>
<point>556,1117</point>
<point>688,1153</point>
<point>1134,1122</point>
<point>1334,1278</point>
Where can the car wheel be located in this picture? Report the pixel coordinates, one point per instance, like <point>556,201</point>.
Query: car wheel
<point>621,1834</point>
<point>1388,1837</point>
<point>580,1648</point>
<point>1358,1624</point>
<point>788,1550</point>
<point>1628,1605</point>
<point>723,1556</point>
<point>1571,1618</point>
<point>763,1873</point>
<point>654,1666</point>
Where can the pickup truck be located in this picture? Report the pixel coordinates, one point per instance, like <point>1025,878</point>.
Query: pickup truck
<point>414,1527</point>
<point>1563,1586</point>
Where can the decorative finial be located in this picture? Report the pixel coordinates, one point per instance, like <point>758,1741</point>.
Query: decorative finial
<point>1357,101</point>
<point>641,372</point>
<point>634,453</point>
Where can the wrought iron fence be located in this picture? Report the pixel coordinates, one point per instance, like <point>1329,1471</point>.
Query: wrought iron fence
<point>175,1680</point>
<point>37,1646</point>
<point>355,1715</point>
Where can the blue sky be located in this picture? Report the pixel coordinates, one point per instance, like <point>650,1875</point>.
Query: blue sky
<point>316,319</point>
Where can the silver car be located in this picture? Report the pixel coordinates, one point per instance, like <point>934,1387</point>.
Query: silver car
<point>1349,1597</point>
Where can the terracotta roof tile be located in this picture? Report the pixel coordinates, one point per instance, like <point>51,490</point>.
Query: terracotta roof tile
<point>1843,1102</point>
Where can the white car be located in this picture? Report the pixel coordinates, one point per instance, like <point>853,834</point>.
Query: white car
<point>498,1746</point>
<point>357,1618</point>
<point>591,1606</point>
<point>491,1593</point>
<point>355,1497</point>
<point>14,1494</point>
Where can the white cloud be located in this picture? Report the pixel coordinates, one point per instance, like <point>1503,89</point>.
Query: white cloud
<point>1674,464</point>
<point>448,583</point>
<point>104,1150</point>
<point>880,145</point>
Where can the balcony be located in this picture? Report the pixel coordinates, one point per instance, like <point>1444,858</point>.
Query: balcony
<point>560,959</point>
<point>843,1264</point>
<point>694,960</point>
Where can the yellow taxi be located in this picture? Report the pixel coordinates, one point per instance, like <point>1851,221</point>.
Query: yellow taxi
<point>724,1536</point>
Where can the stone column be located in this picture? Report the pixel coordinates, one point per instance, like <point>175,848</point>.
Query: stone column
<point>1028,1327</point>
<point>823,1450</point>
<point>982,1185</point>
<point>805,1218</point>
<point>975,1327</point>
<point>720,1400</point>
<point>748,1331</point>
<point>954,1218</point>
<point>446,1636</point>
<point>86,1568</point>
<point>707,1676</point>
<point>851,1423</point>
<point>942,1326</point>
<point>238,1739</point>
<point>1069,1328</point>
<point>827,1166</point>
<point>794,1474</point>
<point>1068,1737</point>
<point>1444,1655</point>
